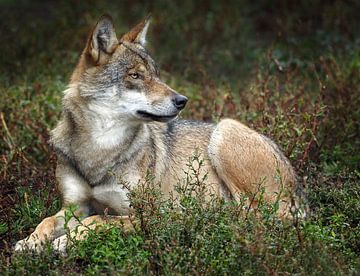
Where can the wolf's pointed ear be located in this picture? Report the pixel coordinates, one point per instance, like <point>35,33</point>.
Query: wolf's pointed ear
<point>103,40</point>
<point>138,33</point>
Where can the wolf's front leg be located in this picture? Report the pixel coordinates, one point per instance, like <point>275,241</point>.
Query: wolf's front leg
<point>90,223</point>
<point>49,229</point>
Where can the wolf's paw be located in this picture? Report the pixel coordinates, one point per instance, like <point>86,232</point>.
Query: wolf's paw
<point>60,244</point>
<point>30,243</point>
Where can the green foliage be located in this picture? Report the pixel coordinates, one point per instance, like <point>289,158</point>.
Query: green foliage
<point>109,249</point>
<point>206,235</point>
<point>289,70</point>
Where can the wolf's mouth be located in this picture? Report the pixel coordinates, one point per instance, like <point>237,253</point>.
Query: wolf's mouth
<point>154,117</point>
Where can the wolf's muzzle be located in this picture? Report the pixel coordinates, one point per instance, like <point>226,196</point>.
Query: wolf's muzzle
<point>179,101</point>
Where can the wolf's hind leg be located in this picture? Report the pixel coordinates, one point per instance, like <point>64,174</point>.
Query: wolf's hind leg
<point>244,159</point>
<point>90,223</point>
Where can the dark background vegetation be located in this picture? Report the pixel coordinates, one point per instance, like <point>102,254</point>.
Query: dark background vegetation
<point>289,69</point>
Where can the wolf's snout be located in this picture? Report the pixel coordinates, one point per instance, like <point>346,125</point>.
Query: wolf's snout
<point>180,101</point>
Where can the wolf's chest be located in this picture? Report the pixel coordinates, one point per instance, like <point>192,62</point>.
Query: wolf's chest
<point>97,163</point>
<point>95,168</point>
<point>113,192</point>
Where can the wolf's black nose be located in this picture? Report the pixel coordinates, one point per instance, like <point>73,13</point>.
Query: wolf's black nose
<point>180,101</point>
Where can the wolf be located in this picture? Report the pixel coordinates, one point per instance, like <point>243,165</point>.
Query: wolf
<point>119,117</point>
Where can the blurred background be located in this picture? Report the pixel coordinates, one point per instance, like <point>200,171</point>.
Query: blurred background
<point>290,69</point>
<point>223,39</point>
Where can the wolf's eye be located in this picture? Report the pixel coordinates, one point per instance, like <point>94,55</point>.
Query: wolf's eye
<point>134,75</point>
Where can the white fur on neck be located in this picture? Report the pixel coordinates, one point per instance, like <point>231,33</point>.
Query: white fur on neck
<point>106,130</point>
<point>108,134</point>
<point>112,120</point>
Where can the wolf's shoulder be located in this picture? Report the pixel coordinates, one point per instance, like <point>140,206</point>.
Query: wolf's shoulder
<point>191,123</point>
<point>189,126</point>
<point>178,129</point>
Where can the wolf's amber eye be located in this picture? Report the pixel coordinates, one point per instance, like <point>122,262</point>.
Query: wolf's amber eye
<point>134,75</point>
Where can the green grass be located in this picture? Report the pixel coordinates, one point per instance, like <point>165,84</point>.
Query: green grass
<point>289,71</point>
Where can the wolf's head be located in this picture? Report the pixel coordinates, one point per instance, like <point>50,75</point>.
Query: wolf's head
<point>118,77</point>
